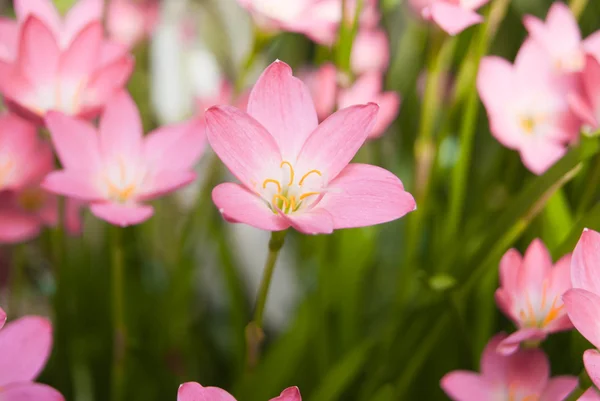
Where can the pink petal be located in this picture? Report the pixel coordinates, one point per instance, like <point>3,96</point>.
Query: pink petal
<point>73,219</point>
<point>312,222</point>
<point>494,366</point>
<point>2,318</point>
<point>590,395</point>
<point>510,264</point>
<point>238,205</point>
<point>591,361</point>
<point>511,343</point>
<point>581,107</point>
<point>29,392</point>
<point>72,183</point>
<point>242,144</point>
<point>529,370</point>
<point>283,105</point>
<point>81,14</point>
<point>42,9</point>
<point>25,347</point>
<point>466,386</point>
<point>9,32</point>
<point>335,142</point>
<point>370,51</point>
<point>452,18</point>
<point>585,262</point>
<point>38,53</point>
<point>592,45</point>
<point>121,128</point>
<point>591,82</point>
<point>559,388</point>
<point>122,215</point>
<point>363,195</point>
<point>389,106</point>
<point>289,394</point>
<point>322,84</point>
<point>164,182</point>
<point>495,83</point>
<point>107,81</point>
<point>539,155</point>
<point>504,301</point>
<point>536,266</point>
<point>18,227</point>
<point>195,392</point>
<point>76,142</point>
<point>583,308</point>
<point>365,89</point>
<point>81,58</point>
<point>560,277</point>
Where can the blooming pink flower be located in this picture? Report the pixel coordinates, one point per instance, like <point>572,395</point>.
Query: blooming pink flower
<point>130,21</point>
<point>586,104</point>
<point>590,395</point>
<point>560,38</point>
<point>192,391</point>
<point>583,301</point>
<point>117,169</point>
<point>63,66</point>
<point>527,108</point>
<point>530,294</point>
<point>522,376</point>
<point>295,172</point>
<point>25,345</point>
<point>370,51</point>
<point>453,16</point>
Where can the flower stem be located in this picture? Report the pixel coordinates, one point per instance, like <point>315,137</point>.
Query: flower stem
<point>119,328</point>
<point>254,332</point>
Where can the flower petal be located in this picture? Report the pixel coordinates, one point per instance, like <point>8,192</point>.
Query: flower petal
<point>536,266</point>
<point>315,221</point>
<point>81,57</point>
<point>238,205</point>
<point>453,18</point>
<point>585,263</point>
<point>38,52</point>
<point>591,361</point>
<point>335,142</point>
<point>583,308</point>
<point>18,226</point>
<point>44,10</point>
<point>25,347</point>
<point>121,128</point>
<point>289,394</point>
<point>29,392</point>
<point>192,391</point>
<point>465,386</point>
<point>510,344</point>
<point>495,83</point>
<point>529,370</point>
<point>73,184</point>
<point>242,144</point>
<point>81,14</point>
<point>590,395</point>
<point>510,264</point>
<point>107,80</point>
<point>363,195</point>
<point>539,155</point>
<point>559,388</point>
<point>122,215</point>
<point>9,32</point>
<point>494,366</point>
<point>389,106</point>
<point>283,105</point>
<point>166,181</point>
<point>2,317</point>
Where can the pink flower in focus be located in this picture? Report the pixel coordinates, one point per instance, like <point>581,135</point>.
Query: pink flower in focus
<point>131,21</point>
<point>192,391</point>
<point>590,395</point>
<point>368,88</point>
<point>295,172</point>
<point>560,38</point>
<point>62,66</point>
<point>527,109</point>
<point>522,376</point>
<point>25,346</point>
<point>117,169</point>
<point>530,294</point>
<point>587,103</point>
<point>453,16</point>
<point>583,301</point>
<point>370,51</point>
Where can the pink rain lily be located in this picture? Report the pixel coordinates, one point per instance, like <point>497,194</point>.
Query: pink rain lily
<point>131,21</point>
<point>522,376</point>
<point>25,346</point>
<point>115,168</point>
<point>527,109</point>
<point>295,172</point>
<point>370,52</point>
<point>560,38</point>
<point>64,66</point>
<point>192,391</point>
<point>453,16</point>
<point>586,104</point>
<point>583,301</point>
<point>530,294</point>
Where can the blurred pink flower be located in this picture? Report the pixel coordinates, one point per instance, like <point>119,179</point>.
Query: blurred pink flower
<point>583,301</point>
<point>295,172</point>
<point>2,317</point>
<point>63,66</point>
<point>522,376</point>
<point>117,169</point>
<point>590,395</point>
<point>192,391</point>
<point>586,104</point>
<point>131,21</point>
<point>322,85</point>
<point>368,88</point>
<point>530,294</point>
<point>560,38</point>
<point>370,51</point>
<point>453,16</point>
<point>527,108</point>
<point>25,346</point>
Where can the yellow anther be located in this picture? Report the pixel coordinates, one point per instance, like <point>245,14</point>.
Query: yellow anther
<point>528,124</point>
<point>317,172</point>
<point>307,194</point>
<point>120,194</point>
<point>553,314</point>
<point>270,180</point>
<point>283,199</point>
<point>292,203</point>
<point>283,163</point>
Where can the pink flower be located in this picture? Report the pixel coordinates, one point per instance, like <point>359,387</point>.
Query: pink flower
<point>453,16</point>
<point>131,21</point>
<point>560,38</point>
<point>115,168</point>
<point>25,346</point>
<point>522,376</point>
<point>368,88</point>
<point>66,67</point>
<point>322,85</point>
<point>192,391</point>
<point>586,104</point>
<point>530,294</point>
<point>583,301</point>
<point>295,172</point>
<point>527,108</point>
<point>370,51</point>
<point>590,395</point>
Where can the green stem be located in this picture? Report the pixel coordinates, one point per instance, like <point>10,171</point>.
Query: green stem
<point>254,332</point>
<point>577,7</point>
<point>16,278</point>
<point>118,314</point>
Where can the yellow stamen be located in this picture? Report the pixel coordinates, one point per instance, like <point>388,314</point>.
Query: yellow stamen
<point>270,180</point>
<point>317,172</point>
<point>553,314</point>
<point>285,201</point>
<point>306,195</point>
<point>528,124</point>
<point>283,163</point>
<point>292,203</point>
